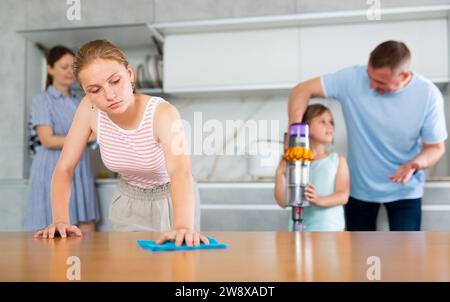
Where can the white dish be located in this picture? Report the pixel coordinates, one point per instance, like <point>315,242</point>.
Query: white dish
<point>158,68</point>
<point>151,73</point>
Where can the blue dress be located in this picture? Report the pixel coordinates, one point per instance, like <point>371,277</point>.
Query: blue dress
<point>57,110</point>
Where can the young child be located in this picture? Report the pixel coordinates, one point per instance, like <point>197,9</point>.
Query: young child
<point>329,176</point>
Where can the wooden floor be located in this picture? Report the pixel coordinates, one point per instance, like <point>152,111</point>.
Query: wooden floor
<point>251,256</point>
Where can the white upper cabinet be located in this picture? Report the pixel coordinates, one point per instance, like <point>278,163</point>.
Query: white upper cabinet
<point>329,48</point>
<point>231,60</point>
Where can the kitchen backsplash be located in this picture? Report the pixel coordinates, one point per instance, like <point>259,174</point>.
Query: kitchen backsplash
<point>214,111</point>
<point>262,111</point>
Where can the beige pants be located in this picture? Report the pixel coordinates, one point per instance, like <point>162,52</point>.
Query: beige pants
<point>150,210</point>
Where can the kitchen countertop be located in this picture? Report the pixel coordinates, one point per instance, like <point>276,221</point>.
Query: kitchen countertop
<point>251,256</point>
<point>441,183</point>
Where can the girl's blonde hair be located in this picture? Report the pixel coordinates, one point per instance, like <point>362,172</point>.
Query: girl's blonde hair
<point>314,111</point>
<point>98,49</point>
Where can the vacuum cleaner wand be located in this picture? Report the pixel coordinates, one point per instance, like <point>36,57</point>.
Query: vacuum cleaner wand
<point>298,156</point>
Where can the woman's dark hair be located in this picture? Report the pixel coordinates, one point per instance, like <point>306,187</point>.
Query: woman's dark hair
<point>53,55</point>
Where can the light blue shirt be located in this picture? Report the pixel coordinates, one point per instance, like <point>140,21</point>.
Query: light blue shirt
<point>323,177</point>
<point>385,131</point>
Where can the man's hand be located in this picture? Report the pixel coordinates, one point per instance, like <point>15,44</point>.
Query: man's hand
<point>404,173</point>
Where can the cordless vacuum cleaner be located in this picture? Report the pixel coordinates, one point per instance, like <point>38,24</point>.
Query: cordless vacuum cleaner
<point>298,156</point>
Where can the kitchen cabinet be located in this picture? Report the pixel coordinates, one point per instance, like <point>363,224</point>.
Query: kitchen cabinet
<point>329,48</point>
<point>224,207</point>
<point>250,207</point>
<point>240,56</point>
<point>230,207</point>
<point>137,41</point>
<point>268,54</point>
<point>231,60</point>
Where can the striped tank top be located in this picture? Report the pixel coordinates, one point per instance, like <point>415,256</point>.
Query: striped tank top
<point>134,154</point>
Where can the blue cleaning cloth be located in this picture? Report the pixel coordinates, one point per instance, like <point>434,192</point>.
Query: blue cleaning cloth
<point>170,245</point>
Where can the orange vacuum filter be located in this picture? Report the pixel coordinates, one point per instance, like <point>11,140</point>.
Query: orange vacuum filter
<point>298,154</point>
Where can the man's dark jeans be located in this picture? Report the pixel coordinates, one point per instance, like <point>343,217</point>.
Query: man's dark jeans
<point>403,215</point>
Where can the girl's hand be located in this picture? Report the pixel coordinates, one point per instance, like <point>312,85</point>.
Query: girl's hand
<point>61,228</point>
<point>191,237</point>
<point>311,194</point>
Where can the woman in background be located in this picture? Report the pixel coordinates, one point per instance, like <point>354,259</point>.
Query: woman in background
<point>52,114</point>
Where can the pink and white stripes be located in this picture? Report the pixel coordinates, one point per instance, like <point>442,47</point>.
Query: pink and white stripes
<point>134,154</point>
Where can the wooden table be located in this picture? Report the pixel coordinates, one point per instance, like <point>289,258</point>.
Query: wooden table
<point>251,256</point>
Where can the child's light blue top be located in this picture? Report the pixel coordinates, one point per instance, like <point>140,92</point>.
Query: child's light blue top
<point>323,177</point>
